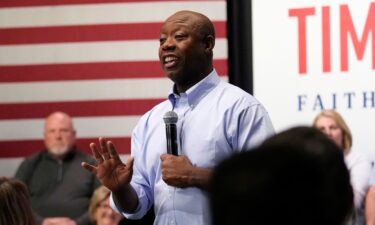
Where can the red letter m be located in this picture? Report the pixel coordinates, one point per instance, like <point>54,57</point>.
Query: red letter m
<point>347,28</point>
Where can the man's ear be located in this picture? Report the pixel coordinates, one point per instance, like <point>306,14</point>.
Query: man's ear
<point>209,42</point>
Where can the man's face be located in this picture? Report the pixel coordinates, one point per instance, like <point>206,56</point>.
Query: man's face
<point>181,50</point>
<point>59,135</point>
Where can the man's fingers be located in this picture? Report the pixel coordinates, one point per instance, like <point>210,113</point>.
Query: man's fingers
<point>96,153</point>
<point>112,151</point>
<point>163,157</point>
<point>104,148</point>
<point>130,162</point>
<point>89,167</point>
<point>103,145</point>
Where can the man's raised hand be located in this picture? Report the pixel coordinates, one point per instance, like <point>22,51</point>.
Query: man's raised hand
<point>110,170</point>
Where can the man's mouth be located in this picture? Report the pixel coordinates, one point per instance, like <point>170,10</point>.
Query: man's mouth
<point>170,61</point>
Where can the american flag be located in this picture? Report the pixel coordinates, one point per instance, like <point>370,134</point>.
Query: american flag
<point>94,59</point>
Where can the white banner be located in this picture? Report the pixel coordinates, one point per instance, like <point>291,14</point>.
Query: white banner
<point>314,55</point>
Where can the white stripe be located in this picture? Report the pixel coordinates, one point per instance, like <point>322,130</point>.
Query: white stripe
<point>8,166</point>
<point>105,13</point>
<point>84,90</point>
<point>89,52</point>
<point>91,90</point>
<point>87,127</point>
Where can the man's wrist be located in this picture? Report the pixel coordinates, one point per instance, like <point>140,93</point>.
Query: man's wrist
<point>126,199</point>
<point>199,177</point>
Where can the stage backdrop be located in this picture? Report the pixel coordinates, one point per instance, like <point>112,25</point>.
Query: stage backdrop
<point>314,55</point>
<point>94,59</point>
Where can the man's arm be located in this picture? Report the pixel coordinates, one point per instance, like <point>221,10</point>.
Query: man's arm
<point>23,173</point>
<point>126,199</point>
<point>114,174</point>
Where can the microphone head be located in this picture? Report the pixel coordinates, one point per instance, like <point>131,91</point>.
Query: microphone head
<point>170,117</point>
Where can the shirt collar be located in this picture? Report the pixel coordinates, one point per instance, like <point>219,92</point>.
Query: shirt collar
<point>198,91</point>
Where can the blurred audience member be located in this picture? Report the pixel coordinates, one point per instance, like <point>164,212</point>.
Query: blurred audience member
<point>297,177</point>
<point>15,206</point>
<point>60,190</point>
<point>102,214</point>
<point>333,125</point>
<point>99,210</point>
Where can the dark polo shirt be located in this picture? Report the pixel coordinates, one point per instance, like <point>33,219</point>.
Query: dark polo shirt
<point>59,188</point>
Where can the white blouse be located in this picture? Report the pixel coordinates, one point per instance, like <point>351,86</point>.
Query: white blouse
<point>360,169</point>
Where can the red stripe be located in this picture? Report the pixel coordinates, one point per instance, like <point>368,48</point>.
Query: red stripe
<point>78,109</point>
<point>89,71</point>
<point>80,71</point>
<point>20,3</point>
<point>107,32</point>
<point>87,33</point>
<point>25,148</point>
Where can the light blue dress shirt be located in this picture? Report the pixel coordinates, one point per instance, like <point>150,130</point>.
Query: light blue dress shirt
<point>215,120</point>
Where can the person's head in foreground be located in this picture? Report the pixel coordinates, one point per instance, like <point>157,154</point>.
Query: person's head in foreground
<point>15,206</point>
<point>99,210</point>
<point>297,177</point>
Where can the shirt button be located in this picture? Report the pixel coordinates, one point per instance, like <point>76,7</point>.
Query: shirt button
<point>172,222</point>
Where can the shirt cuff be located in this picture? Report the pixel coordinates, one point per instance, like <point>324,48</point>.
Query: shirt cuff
<point>141,209</point>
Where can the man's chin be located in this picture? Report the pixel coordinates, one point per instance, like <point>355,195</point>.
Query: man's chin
<point>174,75</point>
<point>59,152</point>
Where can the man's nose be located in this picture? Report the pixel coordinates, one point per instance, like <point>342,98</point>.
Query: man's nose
<point>168,44</point>
<point>58,134</point>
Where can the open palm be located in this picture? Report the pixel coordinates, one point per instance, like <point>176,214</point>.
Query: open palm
<point>110,170</point>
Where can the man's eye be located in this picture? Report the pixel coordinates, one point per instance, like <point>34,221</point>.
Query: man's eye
<point>180,37</point>
<point>162,40</point>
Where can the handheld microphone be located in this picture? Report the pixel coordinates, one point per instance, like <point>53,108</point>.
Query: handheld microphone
<point>170,119</point>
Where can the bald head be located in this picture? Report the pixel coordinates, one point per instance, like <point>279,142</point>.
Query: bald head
<point>59,116</point>
<point>199,22</point>
<point>59,134</point>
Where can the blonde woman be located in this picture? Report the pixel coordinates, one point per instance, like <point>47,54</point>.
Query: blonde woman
<point>99,210</point>
<point>333,125</point>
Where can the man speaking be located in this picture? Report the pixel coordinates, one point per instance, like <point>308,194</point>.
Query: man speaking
<point>215,120</point>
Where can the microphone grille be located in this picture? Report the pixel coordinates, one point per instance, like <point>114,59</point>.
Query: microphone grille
<point>170,117</point>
